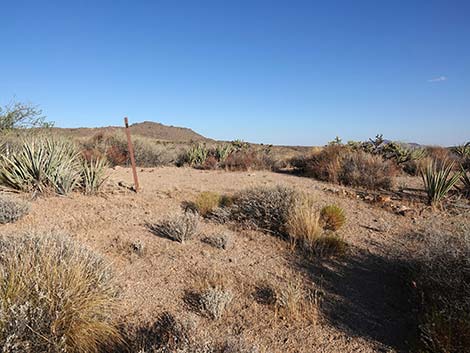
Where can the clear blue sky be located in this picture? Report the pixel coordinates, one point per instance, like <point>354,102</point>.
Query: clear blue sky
<point>284,72</point>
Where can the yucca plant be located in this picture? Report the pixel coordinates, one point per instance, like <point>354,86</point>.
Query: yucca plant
<point>40,165</point>
<point>197,154</point>
<point>465,182</point>
<point>438,179</point>
<point>223,151</point>
<point>93,175</point>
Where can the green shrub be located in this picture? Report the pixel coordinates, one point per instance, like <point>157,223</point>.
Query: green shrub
<point>332,217</point>
<point>12,209</point>
<point>438,179</point>
<point>93,175</point>
<point>41,165</point>
<point>264,207</point>
<point>55,296</point>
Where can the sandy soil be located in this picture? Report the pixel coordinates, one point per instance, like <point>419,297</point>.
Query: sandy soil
<point>363,306</point>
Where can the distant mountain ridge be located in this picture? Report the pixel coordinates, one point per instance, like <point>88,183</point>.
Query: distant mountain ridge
<point>147,129</point>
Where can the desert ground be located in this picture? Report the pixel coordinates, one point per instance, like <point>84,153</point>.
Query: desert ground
<point>360,302</point>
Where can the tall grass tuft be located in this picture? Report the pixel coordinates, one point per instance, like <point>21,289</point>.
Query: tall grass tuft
<point>93,175</point>
<point>438,179</point>
<point>55,296</point>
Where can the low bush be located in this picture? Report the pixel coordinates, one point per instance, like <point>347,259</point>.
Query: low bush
<point>180,227</point>
<point>12,209</point>
<point>366,170</point>
<point>214,296</point>
<point>326,245</point>
<point>325,164</point>
<point>264,207</point>
<point>332,217</point>
<point>442,276</point>
<point>55,296</point>
<point>219,241</point>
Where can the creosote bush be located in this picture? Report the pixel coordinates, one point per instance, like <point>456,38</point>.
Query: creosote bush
<point>180,227</point>
<point>55,296</point>
<point>367,170</point>
<point>12,209</point>
<point>332,217</point>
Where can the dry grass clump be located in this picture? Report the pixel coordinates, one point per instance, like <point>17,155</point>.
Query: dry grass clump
<point>332,217</point>
<point>306,228</point>
<point>289,301</point>
<point>303,222</point>
<point>55,296</point>
<point>206,202</point>
<point>264,207</point>
<point>180,227</point>
<point>443,284</point>
<point>367,170</point>
<point>12,209</point>
<point>220,241</point>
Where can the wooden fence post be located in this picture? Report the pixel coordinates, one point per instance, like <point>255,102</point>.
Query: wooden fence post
<point>131,154</point>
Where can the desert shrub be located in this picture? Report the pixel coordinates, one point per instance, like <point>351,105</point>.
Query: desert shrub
<point>12,209</point>
<point>41,165</point>
<point>223,151</point>
<point>149,153</point>
<point>439,155</point>
<point>303,220</point>
<point>214,296</point>
<point>332,217</point>
<point>55,296</point>
<point>366,170</point>
<point>166,334</point>
<point>206,202</point>
<point>325,164</point>
<point>248,159</point>
<point>442,274</point>
<point>93,175</point>
<point>219,241</point>
<point>264,207</point>
<point>180,227</point>
<point>438,179</point>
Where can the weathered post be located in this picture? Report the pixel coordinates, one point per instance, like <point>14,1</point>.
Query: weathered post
<point>131,154</point>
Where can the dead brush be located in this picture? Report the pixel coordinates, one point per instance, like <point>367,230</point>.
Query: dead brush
<point>206,202</point>
<point>303,223</point>
<point>220,241</point>
<point>293,303</point>
<point>12,209</point>
<point>179,227</point>
<point>55,296</point>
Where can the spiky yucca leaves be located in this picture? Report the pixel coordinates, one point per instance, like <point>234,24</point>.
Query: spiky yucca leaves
<point>465,182</point>
<point>93,175</point>
<point>223,151</point>
<point>197,154</point>
<point>55,296</point>
<point>438,179</point>
<point>40,165</point>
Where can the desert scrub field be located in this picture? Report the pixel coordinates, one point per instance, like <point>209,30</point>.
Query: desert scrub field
<point>224,259</point>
